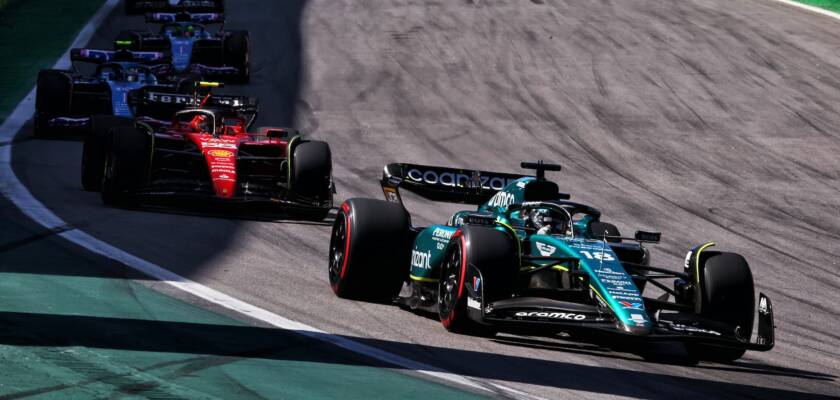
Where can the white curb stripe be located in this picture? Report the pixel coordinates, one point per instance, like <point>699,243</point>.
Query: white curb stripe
<point>19,195</point>
<point>822,11</point>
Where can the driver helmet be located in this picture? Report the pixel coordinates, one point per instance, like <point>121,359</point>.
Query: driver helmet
<point>200,124</point>
<point>190,31</point>
<point>548,221</point>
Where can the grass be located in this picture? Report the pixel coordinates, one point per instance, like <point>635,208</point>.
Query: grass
<point>33,34</point>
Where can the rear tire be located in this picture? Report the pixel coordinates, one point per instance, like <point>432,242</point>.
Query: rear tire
<point>490,251</point>
<point>52,98</point>
<point>238,54</point>
<point>370,250</point>
<point>127,164</point>
<point>726,295</point>
<point>95,147</point>
<point>130,7</point>
<point>311,174</point>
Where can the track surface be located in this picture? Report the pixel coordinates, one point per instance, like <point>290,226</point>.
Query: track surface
<point>705,119</point>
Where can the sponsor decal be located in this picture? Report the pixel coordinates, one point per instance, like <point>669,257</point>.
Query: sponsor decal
<point>220,153</point>
<point>687,263</point>
<point>762,305</point>
<point>170,98</point>
<point>607,271</point>
<point>442,233</point>
<point>476,283</point>
<point>545,249</point>
<point>628,298</point>
<point>421,259</point>
<point>631,305</point>
<point>391,195</point>
<point>639,319</point>
<point>501,199</point>
<point>691,329</point>
<point>472,303</point>
<point>455,179</point>
<point>555,315</point>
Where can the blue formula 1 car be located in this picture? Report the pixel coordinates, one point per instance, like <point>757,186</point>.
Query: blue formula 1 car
<point>66,100</point>
<point>528,260</point>
<point>222,55</point>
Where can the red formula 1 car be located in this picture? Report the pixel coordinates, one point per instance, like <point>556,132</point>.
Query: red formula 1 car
<point>208,152</point>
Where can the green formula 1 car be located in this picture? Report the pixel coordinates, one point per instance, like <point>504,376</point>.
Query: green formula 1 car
<point>529,260</point>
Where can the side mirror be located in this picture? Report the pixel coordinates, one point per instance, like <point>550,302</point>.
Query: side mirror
<point>651,237</point>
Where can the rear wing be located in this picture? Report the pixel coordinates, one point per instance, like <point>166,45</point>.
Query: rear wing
<point>189,100</point>
<point>198,18</point>
<point>104,56</point>
<point>451,185</point>
<point>197,6</point>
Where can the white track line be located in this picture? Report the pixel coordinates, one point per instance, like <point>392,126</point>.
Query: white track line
<point>19,195</point>
<point>813,9</point>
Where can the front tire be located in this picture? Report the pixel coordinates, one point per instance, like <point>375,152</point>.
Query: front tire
<point>311,172</point>
<point>238,54</point>
<point>370,250</point>
<point>488,250</point>
<point>726,295</point>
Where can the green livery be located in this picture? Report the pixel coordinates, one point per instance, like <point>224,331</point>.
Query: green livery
<point>529,259</point>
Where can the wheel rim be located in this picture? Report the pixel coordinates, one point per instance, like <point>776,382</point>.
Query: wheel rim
<point>448,290</point>
<point>337,248</point>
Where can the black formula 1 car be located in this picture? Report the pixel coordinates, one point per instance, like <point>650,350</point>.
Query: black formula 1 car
<point>529,260</point>
<point>207,153</point>
<point>134,7</point>
<point>197,50</point>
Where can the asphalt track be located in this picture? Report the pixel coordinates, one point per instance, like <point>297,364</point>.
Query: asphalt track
<point>705,119</point>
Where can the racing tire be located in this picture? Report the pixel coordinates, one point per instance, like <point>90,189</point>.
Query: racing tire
<point>126,164</point>
<point>237,50</point>
<point>94,149</point>
<point>370,250</point>
<point>311,172</point>
<point>492,252</point>
<point>130,7</point>
<point>52,98</point>
<point>726,295</point>
<point>601,229</point>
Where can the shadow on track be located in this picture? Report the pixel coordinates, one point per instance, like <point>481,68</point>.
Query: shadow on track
<point>185,245</point>
<point>243,342</point>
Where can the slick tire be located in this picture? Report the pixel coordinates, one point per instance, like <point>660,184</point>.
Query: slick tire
<point>237,51</point>
<point>311,171</point>
<point>488,250</point>
<point>126,164</point>
<point>601,229</point>
<point>130,7</point>
<point>52,98</point>
<point>370,250</point>
<point>94,149</point>
<point>726,295</point>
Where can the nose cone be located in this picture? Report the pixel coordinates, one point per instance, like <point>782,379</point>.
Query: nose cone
<point>222,166</point>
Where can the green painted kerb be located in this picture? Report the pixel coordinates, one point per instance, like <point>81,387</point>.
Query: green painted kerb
<point>832,5</point>
<point>33,34</point>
